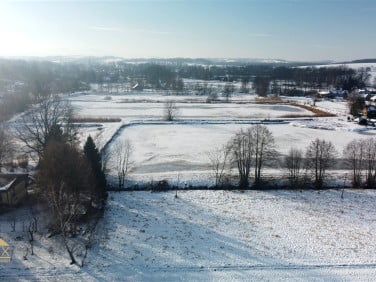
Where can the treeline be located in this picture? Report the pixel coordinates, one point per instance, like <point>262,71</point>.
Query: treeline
<point>25,82</point>
<point>253,149</point>
<point>42,77</point>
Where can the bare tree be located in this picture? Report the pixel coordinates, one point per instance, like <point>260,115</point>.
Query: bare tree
<point>219,159</point>
<point>242,150</point>
<point>170,111</point>
<point>212,96</point>
<point>42,121</point>
<point>6,145</point>
<point>354,154</point>
<point>228,90</point>
<point>264,148</point>
<point>361,158</point>
<point>294,164</point>
<point>261,85</point>
<point>122,160</point>
<point>320,156</point>
<point>369,146</point>
<point>244,86</point>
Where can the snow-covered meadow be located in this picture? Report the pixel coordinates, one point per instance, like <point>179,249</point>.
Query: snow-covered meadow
<point>130,107</point>
<point>179,151</point>
<point>227,235</point>
<point>215,236</point>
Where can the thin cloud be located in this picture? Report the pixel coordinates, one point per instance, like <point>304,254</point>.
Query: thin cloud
<point>130,30</point>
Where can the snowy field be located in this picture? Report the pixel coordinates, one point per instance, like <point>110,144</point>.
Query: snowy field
<point>217,236</point>
<point>182,151</point>
<point>179,151</point>
<point>140,107</point>
<point>208,235</point>
<point>225,235</point>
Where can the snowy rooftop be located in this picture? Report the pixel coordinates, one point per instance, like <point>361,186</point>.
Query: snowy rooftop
<point>7,186</point>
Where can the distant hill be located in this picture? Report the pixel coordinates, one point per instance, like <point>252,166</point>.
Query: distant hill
<point>172,61</point>
<point>361,61</point>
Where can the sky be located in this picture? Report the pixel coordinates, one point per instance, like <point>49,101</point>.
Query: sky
<point>302,30</point>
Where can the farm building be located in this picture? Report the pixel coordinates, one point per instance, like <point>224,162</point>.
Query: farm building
<point>13,188</point>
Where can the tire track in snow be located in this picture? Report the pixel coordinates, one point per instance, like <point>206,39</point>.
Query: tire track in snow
<point>55,275</point>
<point>265,267</point>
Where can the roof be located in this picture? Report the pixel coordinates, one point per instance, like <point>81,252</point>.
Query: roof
<point>371,108</point>
<point>6,187</point>
<point>3,243</point>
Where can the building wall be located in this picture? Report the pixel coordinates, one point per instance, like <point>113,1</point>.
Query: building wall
<point>14,194</point>
<point>18,192</point>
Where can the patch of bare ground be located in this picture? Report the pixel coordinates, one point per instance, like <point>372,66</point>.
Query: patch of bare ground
<point>94,120</point>
<point>277,100</point>
<point>270,100</point>
<point>316,111</point>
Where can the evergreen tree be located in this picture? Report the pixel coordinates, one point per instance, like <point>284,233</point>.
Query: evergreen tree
<point>94,158</point>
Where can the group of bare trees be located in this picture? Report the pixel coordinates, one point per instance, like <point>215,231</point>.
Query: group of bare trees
<point>249,149</point>
<point>319,157</point>
<point>261,85</point>
<point>361,158</point>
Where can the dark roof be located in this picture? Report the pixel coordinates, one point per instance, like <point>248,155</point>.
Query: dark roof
<point>5,179</point>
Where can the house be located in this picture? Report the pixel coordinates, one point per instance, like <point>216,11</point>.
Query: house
<point>370,111</point>
<point>13,188</point>
<point>333,93</point>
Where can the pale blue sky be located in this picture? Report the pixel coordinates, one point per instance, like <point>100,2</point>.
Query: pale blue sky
<point>285,29</point>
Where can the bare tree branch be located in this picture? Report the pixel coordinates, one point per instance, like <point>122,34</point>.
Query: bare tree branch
<point>122,160</point>
<point>36,125</point>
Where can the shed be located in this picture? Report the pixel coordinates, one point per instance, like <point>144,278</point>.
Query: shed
<point>13,188</point>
